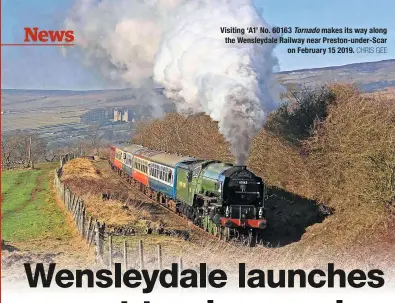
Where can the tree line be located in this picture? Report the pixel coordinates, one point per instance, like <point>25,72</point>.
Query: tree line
<point>23,148</point>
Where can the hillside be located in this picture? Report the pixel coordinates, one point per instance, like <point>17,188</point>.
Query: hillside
<point>368,76</point>
<point>19,99</point>
<point>23,109</point>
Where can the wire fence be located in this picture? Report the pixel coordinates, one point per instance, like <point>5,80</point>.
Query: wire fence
<point>110,248</point>
<point>136,255</point>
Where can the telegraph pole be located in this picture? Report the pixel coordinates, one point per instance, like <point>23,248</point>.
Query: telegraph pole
<point>29,161</point>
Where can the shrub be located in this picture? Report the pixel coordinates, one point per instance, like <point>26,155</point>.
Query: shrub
<point>294,121</point>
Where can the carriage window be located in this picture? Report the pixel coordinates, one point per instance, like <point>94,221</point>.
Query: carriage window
<point>196,171</point>
<point>169,175</point>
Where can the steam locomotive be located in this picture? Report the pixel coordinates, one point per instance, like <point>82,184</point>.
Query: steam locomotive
<point>225,200</point>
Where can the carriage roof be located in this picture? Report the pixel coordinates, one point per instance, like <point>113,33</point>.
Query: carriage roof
<point>169,159</point>
<point>133,148</point>
<point>159,157</point>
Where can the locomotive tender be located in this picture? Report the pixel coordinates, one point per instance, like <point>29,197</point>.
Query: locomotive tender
<point>225,200</point>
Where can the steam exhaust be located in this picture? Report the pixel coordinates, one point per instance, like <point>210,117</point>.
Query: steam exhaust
<point>178,44</point>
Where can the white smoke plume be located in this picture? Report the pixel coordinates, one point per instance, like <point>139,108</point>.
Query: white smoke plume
<point>178,44</point>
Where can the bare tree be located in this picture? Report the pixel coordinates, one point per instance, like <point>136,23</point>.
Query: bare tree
<point>22,148</point>
<point>54,151</point>
<point>81,147</point>
<point>95,137</point>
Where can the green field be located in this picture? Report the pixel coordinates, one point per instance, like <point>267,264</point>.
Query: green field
<point>30,212</point>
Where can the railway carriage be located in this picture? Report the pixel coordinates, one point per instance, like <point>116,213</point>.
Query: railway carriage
<point>116,156</point>
<point>140,167</point>
<point>162,173</point>
<point>127,158</point>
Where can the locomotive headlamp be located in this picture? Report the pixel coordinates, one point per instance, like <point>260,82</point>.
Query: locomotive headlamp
<point>227,211</point>
<point>260,213</point>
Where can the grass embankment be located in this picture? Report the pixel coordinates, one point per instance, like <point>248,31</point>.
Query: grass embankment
<point>89,180</point>
<point>34,220</point>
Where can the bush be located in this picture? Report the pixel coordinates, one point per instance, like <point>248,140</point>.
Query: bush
<point>196,136</point>
<point>294,121</point>
<point>352,154</point>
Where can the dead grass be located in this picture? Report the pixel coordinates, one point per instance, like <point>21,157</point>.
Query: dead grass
<point>80,168</point>
<point>352,164</point>
<point>89,179</point>
<point>82,177</point>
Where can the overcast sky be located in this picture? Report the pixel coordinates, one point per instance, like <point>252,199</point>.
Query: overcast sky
<point>46,68</point>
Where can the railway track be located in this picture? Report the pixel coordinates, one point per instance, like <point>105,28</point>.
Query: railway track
<point>198,229</point>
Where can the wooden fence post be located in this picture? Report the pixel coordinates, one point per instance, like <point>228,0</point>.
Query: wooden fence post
<point>180,265</point>
<point>141,254</point>
<point>89,231</point>
<point>101,235</point>
<point>159,257</point>
<point>125,255</point>
<point>83,229</point>
<point>97,237</point>
<point>110,252</point>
